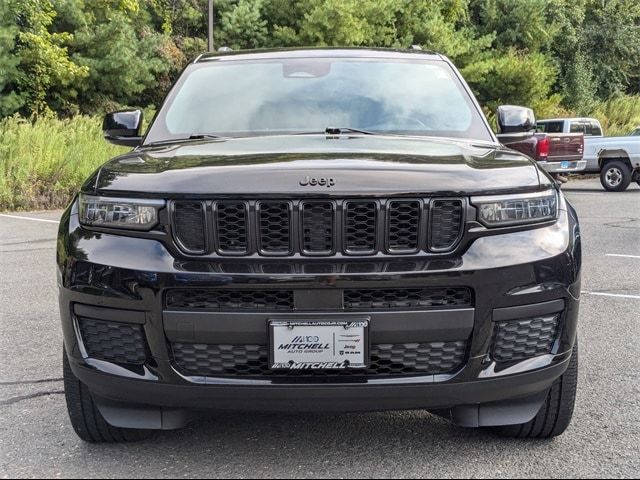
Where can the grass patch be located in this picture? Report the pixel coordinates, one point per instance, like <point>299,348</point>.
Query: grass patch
<point>42,164</point>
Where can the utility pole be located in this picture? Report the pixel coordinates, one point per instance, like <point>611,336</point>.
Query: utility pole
<point>210,30</point>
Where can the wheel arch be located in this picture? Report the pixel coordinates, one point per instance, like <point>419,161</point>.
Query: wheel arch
<point>607,155</point>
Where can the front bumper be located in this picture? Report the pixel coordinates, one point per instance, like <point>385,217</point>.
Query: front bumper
<point>520,274</point>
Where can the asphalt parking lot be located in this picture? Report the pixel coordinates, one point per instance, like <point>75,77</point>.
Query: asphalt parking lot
<point>36,439</point>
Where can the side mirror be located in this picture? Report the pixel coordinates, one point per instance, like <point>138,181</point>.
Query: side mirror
<point>513,119</point>
<point>123,128</point>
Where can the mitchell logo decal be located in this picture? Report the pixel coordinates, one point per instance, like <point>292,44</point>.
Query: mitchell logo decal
<point>315,182</point>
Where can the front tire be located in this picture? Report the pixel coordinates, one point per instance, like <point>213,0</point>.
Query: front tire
<point>85,417</point>
<point>555,415</point>
<point>615,176</point>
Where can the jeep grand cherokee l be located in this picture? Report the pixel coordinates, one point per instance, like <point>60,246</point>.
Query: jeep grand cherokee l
<point>318,230</point>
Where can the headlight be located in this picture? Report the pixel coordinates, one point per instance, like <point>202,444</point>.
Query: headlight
<point>506,210</point>
<point>135,214</point>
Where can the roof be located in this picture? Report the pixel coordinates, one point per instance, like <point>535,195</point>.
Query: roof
<point>316,52</point>
<point>570,119</point>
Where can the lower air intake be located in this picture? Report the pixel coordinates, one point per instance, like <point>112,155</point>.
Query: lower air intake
<point>404,359</point>
<point>113,342</point>
<point>517,340</point>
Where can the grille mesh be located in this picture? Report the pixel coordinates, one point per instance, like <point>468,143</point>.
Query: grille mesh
<point>360,227</point>
<point>113,342</point>
<point>232,227</point>
<point>399,298</point>
<point>354,299</point>
<point>190,225</point>
<point>521,339</point>
<point>275,235</point>
<point>208,299</point>
<point>321,226</point>
<point>317,227</point>
<point>446,224</point>
<point>402,359</point>
<point>404,225</point>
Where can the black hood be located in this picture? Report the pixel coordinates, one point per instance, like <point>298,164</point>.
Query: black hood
<point>287,165</point>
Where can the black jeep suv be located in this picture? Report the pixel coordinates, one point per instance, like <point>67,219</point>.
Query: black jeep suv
<point>319,230</point>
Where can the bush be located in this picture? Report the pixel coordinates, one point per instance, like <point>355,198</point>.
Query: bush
<point>42,164</point>
<point>619,115</point>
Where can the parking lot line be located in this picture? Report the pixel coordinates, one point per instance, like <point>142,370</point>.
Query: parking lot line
<point>620,255</point>
<point>28,218</point>
<point>618,295</point>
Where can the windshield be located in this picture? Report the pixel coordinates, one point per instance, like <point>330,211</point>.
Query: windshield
<point>308,95</point>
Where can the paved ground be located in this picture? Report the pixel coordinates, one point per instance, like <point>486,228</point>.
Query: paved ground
<point>604,440</point>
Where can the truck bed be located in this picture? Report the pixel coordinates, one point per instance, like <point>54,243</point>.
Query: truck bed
<point>558,152</point>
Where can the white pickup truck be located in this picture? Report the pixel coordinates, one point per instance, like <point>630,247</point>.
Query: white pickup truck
<point>617,159</point>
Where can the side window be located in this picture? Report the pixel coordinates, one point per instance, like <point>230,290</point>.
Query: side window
<point>596,129</point>
<point>550,127</point>
<point>577,127</point>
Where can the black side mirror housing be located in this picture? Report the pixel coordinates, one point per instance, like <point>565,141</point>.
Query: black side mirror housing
<point>123,128</point>
<point>514,119</point>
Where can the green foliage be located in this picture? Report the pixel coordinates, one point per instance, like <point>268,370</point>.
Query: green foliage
<point>10,100</point>
<point>243,26</point>
<point>122,65</point>
<point>45,68</point>
<point>619,115</point>
<point>520,25</point>
<point>514,78</point>
<point>612,39</point>
<point>71,56</point>
<point>43,163</point>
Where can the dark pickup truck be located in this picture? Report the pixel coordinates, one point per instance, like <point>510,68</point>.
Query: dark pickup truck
<point>318,230</point>
<point>557,153</point>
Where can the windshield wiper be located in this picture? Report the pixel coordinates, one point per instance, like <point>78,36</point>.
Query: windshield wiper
<point>199,136</point>
<point>339,131</point>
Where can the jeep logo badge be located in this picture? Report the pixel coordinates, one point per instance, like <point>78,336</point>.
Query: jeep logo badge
<point>313,182</point>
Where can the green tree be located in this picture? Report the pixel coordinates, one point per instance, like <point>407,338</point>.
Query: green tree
<point>126,59</point>
<point>611,38</point>
<point>520,25</point>
<point>10,100</point>
<point>46,70</point>
<point>514,78</point>
<point>242,25</point>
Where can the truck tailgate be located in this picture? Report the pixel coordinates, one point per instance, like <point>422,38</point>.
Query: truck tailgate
<point>565,146</point>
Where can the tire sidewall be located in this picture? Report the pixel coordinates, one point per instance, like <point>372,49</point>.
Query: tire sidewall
<point>615,168</point>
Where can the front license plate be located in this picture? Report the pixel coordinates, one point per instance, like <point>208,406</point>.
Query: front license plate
<point>319,345</point>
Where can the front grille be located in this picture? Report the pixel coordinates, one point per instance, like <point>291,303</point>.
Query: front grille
<point>319,227</point>
<point>229,300</point>
<point>231,227</point>
<point>112,341</point>
<point>404,226</point>
<point>404,359</point>
<point>275,227</point>
<point>517,340</point>
<point>282,300</point>
<point>446,224</point>
<point>190,225</point>
<point>400,298</point>
<point>360,227</point>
